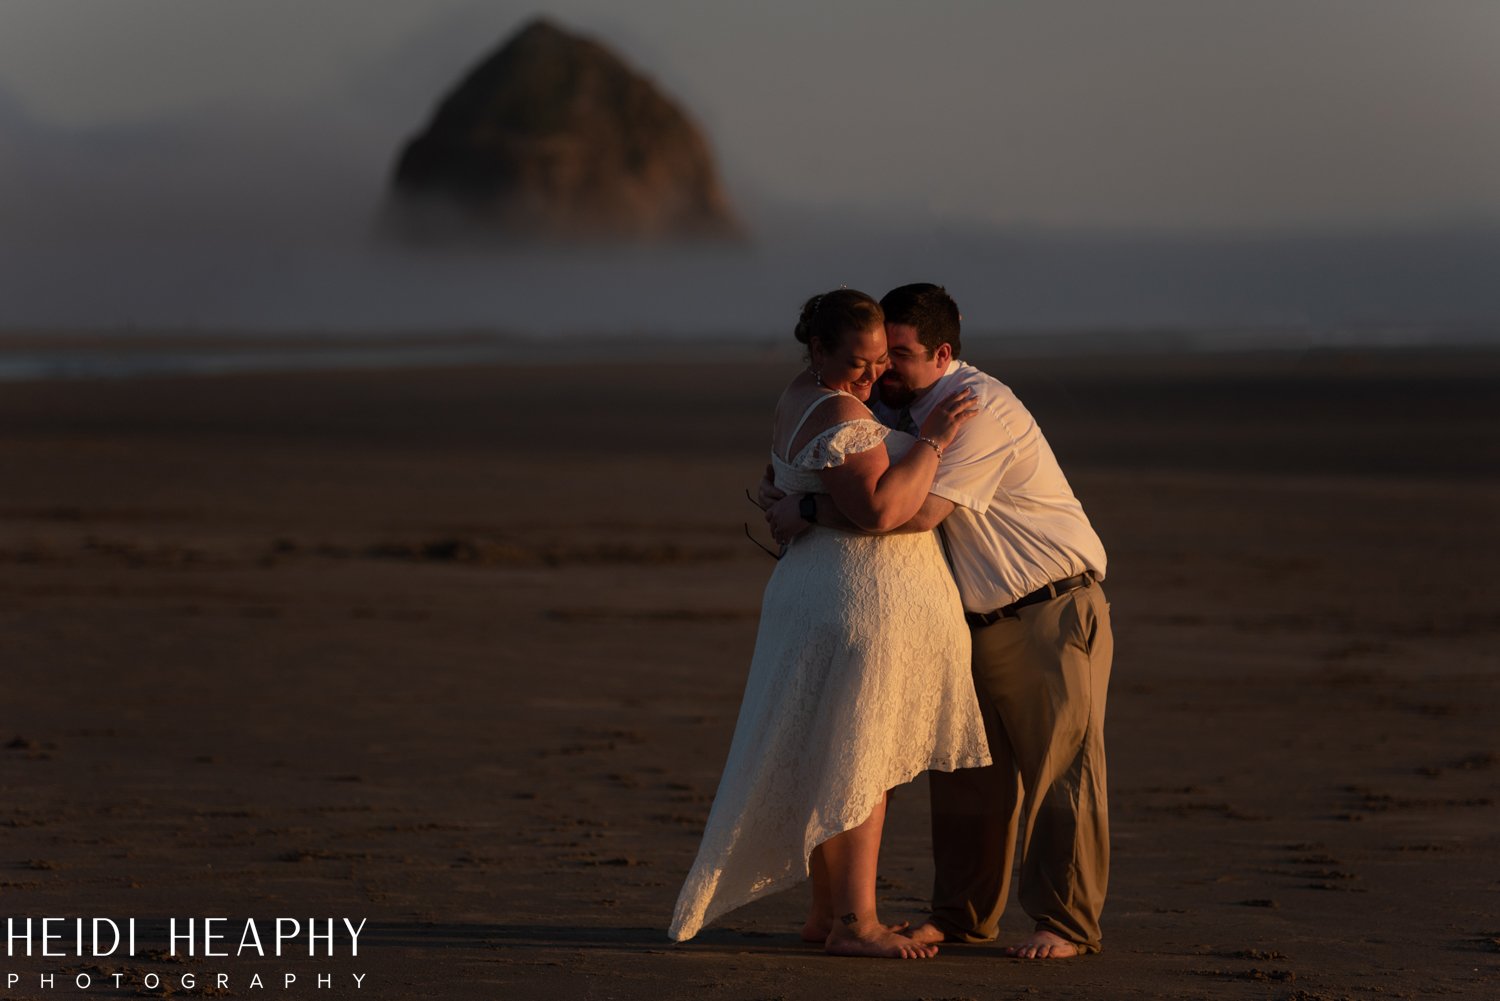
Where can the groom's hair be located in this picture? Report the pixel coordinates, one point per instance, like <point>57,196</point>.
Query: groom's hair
<point>927,307</point>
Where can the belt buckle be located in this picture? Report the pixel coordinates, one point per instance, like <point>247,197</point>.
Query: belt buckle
<point>981,620</point>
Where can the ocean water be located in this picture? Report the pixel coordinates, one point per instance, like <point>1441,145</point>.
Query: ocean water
<point>154,305</point>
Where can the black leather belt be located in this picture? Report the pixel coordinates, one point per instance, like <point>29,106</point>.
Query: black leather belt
<point>1044,593</point>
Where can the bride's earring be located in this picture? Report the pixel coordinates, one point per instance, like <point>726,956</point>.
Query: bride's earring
<point>815,361</point>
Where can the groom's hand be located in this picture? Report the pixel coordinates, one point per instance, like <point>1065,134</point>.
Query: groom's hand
<point>785,519</point>
<point>768,492</point>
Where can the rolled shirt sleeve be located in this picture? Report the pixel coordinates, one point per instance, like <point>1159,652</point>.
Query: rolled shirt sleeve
<point>1017,525</point>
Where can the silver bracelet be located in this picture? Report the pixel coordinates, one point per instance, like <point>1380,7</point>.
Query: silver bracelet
<point>935,447</point>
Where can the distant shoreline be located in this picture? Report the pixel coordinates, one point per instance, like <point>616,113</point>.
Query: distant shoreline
<point>138,353</point>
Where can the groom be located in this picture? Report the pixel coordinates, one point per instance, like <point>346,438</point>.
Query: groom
<point>1028,567</point>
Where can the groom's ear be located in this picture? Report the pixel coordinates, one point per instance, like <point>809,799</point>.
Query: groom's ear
<point>944,353</point>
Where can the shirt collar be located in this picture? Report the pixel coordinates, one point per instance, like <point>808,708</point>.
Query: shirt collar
<point>927,401</point>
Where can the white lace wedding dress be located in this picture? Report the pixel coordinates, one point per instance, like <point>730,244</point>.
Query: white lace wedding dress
<point>860,681</point>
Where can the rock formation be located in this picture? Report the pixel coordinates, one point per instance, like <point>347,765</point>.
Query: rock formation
<point>553,137</point>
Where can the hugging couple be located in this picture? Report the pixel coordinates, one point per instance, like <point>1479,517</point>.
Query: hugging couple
<point>937,607</point>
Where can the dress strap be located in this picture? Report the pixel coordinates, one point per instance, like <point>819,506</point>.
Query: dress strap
<point>808,412</point>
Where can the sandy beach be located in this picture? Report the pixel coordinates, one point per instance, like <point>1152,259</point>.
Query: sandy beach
<point>458,651</point>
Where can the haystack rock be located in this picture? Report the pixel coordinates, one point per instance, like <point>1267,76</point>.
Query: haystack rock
<point>553,137</point>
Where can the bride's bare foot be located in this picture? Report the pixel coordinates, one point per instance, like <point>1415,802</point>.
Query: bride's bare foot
<point>871,939</point>
<point>1042,944</point>
<point>927,933</point>
<point>817,929</point>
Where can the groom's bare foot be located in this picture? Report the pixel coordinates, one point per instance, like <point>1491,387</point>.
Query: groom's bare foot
<point>927,933</point>
<point>875,941</point>
<point>1043,945</point>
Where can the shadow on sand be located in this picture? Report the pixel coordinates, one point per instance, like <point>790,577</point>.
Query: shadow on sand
<point>614,939</point>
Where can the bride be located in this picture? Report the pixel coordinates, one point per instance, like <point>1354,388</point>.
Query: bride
<point>860,679</point>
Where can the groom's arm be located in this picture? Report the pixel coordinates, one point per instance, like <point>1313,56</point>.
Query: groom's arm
<point>786,521</point>
<point>929,516</point>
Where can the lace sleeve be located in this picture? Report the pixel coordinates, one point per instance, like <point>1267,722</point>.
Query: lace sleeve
<point>834,446</point>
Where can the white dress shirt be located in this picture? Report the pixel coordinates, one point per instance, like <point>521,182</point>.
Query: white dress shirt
<point>1017,525</point>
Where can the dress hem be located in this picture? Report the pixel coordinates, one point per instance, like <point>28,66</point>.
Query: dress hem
<point>787,882</point>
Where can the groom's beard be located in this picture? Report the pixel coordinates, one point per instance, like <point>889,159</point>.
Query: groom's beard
<point>895,394</point>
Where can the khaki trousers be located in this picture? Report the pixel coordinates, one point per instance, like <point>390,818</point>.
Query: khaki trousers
<point>1041,679</point>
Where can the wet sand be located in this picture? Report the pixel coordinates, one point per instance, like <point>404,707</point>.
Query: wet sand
<point>459,651</point>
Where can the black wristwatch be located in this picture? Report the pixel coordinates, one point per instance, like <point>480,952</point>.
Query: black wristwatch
<point>807,507</point>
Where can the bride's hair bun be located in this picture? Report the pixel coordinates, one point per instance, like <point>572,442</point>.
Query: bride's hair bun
<point>803,332</point>
<point>827,318</point>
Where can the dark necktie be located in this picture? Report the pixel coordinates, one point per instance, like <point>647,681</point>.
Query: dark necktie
<point>905,423</point>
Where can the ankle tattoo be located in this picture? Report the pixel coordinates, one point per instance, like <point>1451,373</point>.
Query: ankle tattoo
<point>850,918</point>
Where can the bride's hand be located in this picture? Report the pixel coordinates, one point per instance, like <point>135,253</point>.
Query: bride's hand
<point>948,416</point>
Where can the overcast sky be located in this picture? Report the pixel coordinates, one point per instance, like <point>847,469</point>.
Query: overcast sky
<point>149,123</point>
<point>1166,113</point>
